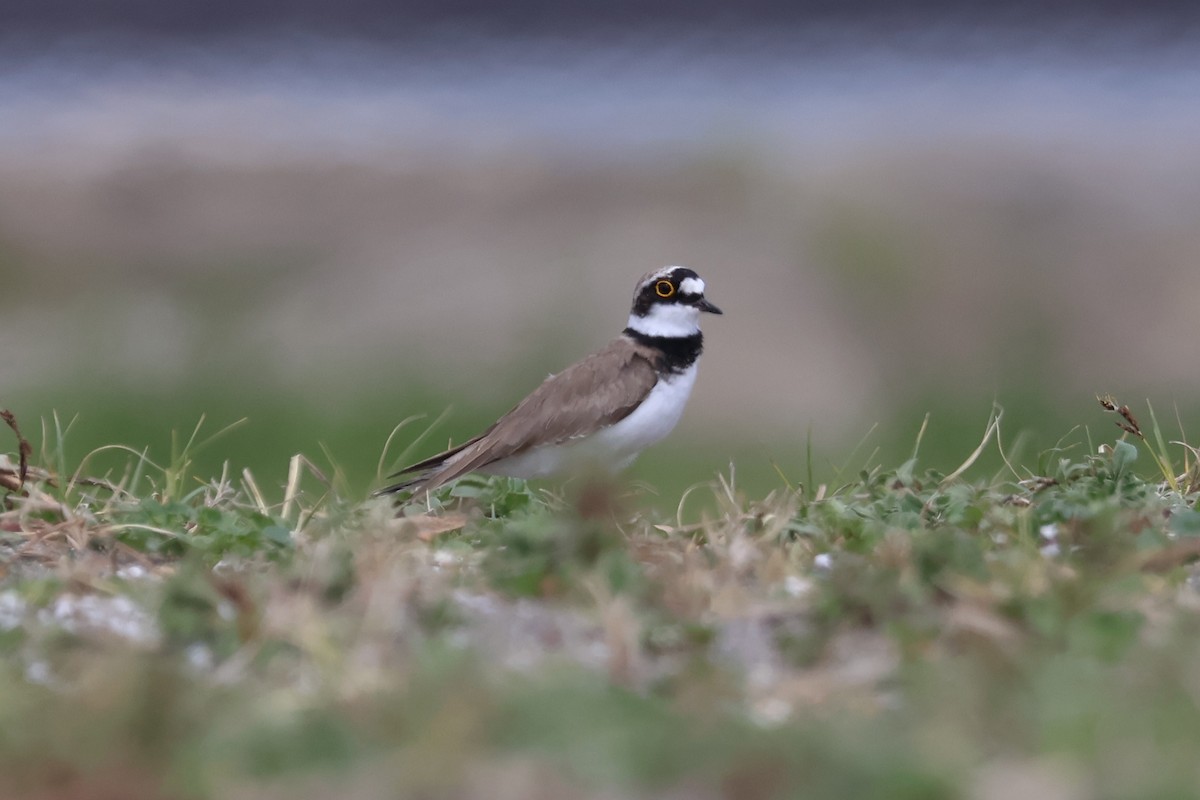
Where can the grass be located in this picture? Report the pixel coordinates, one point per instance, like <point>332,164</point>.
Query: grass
<point>335,436</point>
<point>889,632</point>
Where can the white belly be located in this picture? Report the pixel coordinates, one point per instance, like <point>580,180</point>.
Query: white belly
<point>612,448</point>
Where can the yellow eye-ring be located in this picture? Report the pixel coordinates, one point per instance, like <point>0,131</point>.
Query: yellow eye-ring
<point>664,288</point>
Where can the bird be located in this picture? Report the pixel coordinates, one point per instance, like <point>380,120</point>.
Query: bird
<point>601,411</point>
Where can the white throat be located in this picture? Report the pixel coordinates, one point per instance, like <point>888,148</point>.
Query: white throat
<point>672,320</point>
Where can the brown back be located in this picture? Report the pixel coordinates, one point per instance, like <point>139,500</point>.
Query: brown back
<point>601,390</point>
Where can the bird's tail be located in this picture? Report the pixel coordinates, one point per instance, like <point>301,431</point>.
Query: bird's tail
<point>409,484</point>
<point>423,475</point>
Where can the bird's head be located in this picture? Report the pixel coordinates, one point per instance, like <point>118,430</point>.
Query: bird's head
<point>669,302</point>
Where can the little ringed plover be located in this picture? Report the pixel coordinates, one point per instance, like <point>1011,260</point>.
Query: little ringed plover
<point>601,411</point>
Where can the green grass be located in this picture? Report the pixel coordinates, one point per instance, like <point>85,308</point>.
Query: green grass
<point>342,438</point>
<point>343,435</point>
<point>873,631</point>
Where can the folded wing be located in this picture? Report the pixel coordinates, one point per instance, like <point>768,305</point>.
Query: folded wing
<point>594,393</point>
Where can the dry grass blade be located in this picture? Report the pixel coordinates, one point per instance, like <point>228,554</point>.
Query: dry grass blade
<point>292,487</point>
<point>397,461</point>
<point>992,427</point>
<point>10,478</point>
<point>77,477</point>
<point>427,527</point>
<point>1190,479</point>
<point>252,489</point>
<point>137,526</point>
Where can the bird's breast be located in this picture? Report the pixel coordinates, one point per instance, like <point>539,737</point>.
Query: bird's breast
<point>613,447</point>
<point>654,418</point>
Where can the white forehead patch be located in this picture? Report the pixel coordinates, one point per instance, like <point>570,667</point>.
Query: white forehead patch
<point>691,286</point>
<point>658,275</point>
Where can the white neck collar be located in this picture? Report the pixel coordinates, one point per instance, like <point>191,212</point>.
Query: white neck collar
<point>669,320</point>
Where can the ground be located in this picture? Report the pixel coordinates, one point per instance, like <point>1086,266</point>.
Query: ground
<point>895,633</point>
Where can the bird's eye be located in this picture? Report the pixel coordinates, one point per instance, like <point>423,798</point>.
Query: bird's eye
<point>664,288</point>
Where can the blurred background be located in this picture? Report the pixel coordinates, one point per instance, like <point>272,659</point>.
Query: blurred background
<point>330,217</point>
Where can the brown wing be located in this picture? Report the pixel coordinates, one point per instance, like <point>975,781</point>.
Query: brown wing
<point>594,393</point>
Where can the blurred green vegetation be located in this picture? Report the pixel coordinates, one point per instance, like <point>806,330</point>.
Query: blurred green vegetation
<point>345,438</point>
<point>895,297</point>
